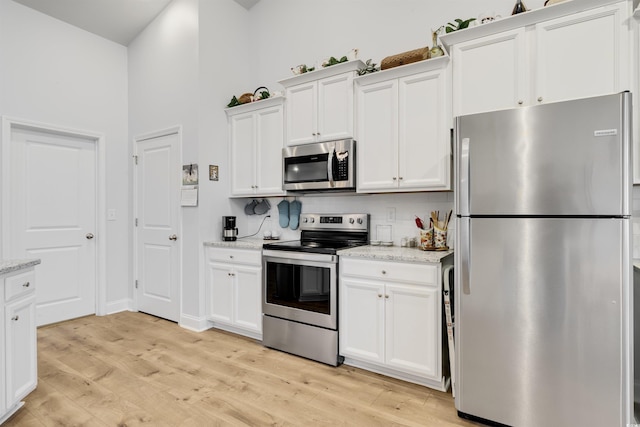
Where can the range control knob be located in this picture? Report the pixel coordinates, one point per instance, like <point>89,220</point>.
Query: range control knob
<point>359,220</point>
<point>305,219</point>
<point>351,221</point>
<point>312,220</point>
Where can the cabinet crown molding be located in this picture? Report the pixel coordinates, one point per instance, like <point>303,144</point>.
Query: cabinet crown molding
<point>333,70</point>
<point>253,106</point>
<point>403,70</point>
<point>524,19</point>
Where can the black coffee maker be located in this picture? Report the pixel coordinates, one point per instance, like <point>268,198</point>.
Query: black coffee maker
<point>229,230</point>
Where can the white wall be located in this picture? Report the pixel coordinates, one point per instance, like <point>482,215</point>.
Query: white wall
<point>54,73</point>
<point>290,32</point>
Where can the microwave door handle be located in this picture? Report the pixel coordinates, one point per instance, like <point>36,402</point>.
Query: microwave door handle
<point>332,153</point>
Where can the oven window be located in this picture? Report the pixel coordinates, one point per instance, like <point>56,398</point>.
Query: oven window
<point>306,168</point>
<point>299,286</point>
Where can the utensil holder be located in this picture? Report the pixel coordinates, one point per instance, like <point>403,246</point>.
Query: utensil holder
<point>426,239</point>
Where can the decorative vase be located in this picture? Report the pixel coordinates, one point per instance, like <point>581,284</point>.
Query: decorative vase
<point>435,50</point>
<point>519,8</point>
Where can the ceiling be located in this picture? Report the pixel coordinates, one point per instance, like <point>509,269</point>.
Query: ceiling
<point>117,20</point>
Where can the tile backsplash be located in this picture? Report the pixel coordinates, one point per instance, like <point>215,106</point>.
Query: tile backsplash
<point>392,215</point>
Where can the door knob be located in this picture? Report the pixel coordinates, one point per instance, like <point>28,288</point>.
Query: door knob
<point>89,236</point>
<point>173,237</point>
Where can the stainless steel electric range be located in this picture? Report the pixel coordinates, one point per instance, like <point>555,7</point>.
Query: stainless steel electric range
<point>300,285</point>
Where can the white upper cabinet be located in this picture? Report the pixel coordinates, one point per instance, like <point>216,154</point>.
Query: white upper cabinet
<point>402,128</point>
<point>566,51</point>
<point>320,104</point>
<point>256,139</point>
<point>490,73</point>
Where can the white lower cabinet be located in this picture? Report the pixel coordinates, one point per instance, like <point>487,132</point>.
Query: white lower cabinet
<point>234,289</point>
<point>18,354</point>
<point>390,319</point>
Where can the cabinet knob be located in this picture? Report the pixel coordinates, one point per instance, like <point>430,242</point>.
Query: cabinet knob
<point>394,178</point>
<point>384,272</point>
<point>89,236</point>
<point>520,102</point>
<point>379,295</point>
<point>173,237</point>
<point>231,256</point>
<point>401,178</point>
<point>26,285</point>
<point>386,296</point>
<point>539,99</point>
<point>15,318</point>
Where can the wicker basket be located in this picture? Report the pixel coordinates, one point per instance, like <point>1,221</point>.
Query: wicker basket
<point>405,58</point>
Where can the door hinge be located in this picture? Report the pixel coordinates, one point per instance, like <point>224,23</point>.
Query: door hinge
<point>136,283</point>
<point>136,222</point>
<point>135,159</point>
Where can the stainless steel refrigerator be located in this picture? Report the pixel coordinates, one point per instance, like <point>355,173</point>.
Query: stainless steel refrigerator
<point>543,264</point>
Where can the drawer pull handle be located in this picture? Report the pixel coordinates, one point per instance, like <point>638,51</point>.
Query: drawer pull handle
<point>15,318</point>
<point>26,285</point>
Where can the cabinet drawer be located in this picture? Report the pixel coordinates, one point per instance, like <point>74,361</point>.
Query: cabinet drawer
<point>391,271</point>
<point>19,284</point>
<point>235,256</point>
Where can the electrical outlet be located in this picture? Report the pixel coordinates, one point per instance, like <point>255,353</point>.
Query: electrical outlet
<point>111,215</point>
<point>391,214</point>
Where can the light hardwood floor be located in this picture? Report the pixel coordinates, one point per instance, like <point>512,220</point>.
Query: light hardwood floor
<point>131,369</point>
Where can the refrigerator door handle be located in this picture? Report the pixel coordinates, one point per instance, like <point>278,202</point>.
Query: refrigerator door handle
<point>464,178</point>
<point>465,254</point>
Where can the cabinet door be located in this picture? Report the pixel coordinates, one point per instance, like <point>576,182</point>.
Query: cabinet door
<point>377,125</point>
<point>220,293</point>
<point>242,129</point>
<point>270,140</point>
<point>361,319</point>
<point>582,55</point>
<point>335,107</point>
<point>424,155</point>
<point>490,73</point>
<point>21,349</point>
<point>413,325</point>
<point>247,289</point>
<point>302,113</point>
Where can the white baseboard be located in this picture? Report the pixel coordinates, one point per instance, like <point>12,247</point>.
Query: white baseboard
<point>118,306</point>
<point>196,324</point>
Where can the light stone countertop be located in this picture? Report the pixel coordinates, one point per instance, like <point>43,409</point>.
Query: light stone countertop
<point>636,263</point>
<point>387,253</point>
<point>395,253</point>
<point>9,265</point>
<point>247,243</point>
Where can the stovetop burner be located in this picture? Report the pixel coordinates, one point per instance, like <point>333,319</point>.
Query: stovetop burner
<point>327,233</point>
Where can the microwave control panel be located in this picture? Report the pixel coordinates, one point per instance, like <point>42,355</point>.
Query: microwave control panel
<point>341,166</point>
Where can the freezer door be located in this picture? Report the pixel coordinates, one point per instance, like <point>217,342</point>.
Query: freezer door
<point>565,158</point>
<point>540,329</point>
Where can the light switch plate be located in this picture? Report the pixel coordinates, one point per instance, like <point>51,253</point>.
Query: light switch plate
<point>391,214</point>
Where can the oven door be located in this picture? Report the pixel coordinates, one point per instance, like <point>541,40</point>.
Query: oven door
<point>301,286</point>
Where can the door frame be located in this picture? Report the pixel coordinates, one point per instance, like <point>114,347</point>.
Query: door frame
<point>10,123</point>
<point>177,129</point>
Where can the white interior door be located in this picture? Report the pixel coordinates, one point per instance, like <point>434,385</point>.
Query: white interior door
<point>52,216</point>
<point>157,207</point>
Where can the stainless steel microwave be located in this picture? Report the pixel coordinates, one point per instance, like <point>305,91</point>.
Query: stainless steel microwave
<point>320,166</point>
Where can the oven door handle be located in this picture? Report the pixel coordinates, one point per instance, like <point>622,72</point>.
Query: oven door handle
<point>288,257</point>
<point>332,154</point>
